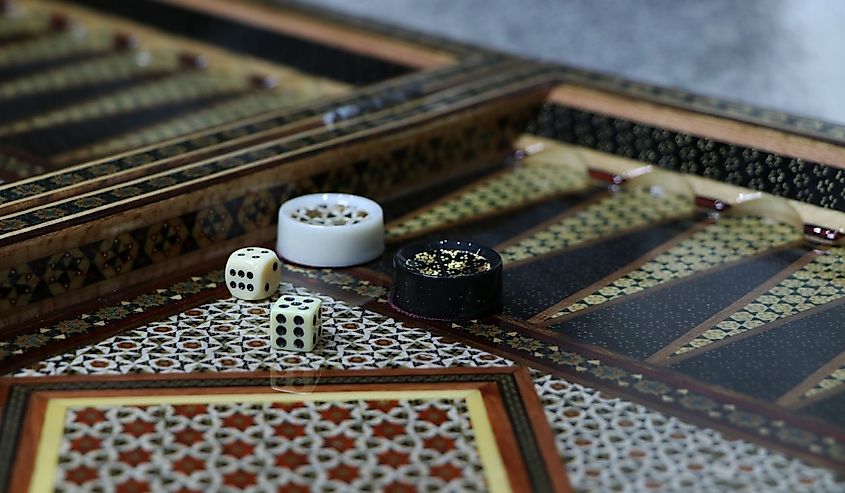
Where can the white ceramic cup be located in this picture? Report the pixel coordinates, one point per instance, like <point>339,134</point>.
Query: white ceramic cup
<point>319,245</point>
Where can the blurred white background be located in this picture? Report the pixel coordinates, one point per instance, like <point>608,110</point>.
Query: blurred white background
<point>782,54</point>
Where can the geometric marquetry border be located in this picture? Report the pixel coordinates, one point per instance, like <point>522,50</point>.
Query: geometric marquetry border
<point>108,317</point>
<point>522,342</point>
<point>793,178</point>
<point>326,60</point>
<point>511,410</point>
<point>510,338</point>
<point>31,223</point>
<point>728,109</point>
<point>336,108</point>
<point>74,268</point>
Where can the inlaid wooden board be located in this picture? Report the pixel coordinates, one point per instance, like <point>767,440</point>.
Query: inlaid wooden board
<point>647,289</point>
<point>662,253</point>
<point>392,430</point>
<point>161,193</point>
<point>639,293</point>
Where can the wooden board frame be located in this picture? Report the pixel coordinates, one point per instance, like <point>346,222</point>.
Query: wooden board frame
<point>514,411</point>
<point>459,110</point>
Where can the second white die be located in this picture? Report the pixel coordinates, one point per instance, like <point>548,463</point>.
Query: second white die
<point>296,323</point>
<point>253,273</point>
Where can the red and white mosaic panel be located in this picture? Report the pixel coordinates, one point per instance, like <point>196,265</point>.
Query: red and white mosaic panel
<point>392,446</point>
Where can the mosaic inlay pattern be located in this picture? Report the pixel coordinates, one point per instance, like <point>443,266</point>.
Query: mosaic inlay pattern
<point>53,46</point>
<point>528,180</point>
<point>86,322</point>
<point>107,68</point>
<point>817,283</point>
<point>20,169</point>
<point>832,381</point>
<point>230,335</point>
<point>616,445</point>
<point>484,135</point>
<point>418,445</point>
<point>708,104</point>
<point>413,159</point>
<point>731,238</point>
<point>620,211</point>
<point>218,114</point>
<point>403,90</point>
<point>784,176</point>
<point>731,465</point>
<point>693,402</point>
<point>609,444</point>
<point>93,262</point>
<point>178,88</point>
<point>527,345</point>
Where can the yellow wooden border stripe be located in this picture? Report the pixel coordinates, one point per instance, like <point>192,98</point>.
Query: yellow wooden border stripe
<point>485,442</point>
<point>47,458</point>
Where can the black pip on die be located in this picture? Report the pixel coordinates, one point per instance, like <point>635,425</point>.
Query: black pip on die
<point>296,323</point>
<point>253,273</point>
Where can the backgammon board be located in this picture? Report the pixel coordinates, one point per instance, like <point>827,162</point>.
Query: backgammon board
<point>673,265</point>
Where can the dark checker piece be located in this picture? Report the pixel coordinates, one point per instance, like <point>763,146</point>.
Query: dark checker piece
<point>447,280</point>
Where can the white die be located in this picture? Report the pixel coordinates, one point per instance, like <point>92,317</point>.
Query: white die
<point>253,273</point>
<point>296,323</point>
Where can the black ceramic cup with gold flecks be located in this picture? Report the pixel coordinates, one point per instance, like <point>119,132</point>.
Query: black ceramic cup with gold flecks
<point>447,280</point>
